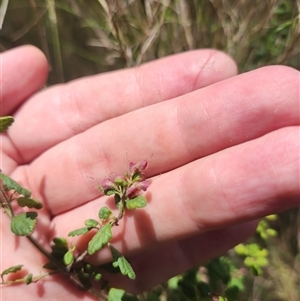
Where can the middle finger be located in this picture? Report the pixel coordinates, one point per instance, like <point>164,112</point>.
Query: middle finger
<point>173,133</point>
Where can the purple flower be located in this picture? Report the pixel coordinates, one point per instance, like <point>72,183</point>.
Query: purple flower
<point>119,180</point>
<point>135,189</point>
<point>138,167</point>
<point>107,184</point>
<point>143,185</point>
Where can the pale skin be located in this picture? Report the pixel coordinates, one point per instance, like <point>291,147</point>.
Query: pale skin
<point>223,151</point>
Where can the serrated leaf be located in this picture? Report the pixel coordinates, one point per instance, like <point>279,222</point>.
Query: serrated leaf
<point>80,231</point>
<point>104,213</point>
<point>11,184</point>
<point>100,239</point>
<point>5,122</point>
<point>12,269</point>
<point>125,267</point>
<point>120,261</point>
<point>137,202</point>
<point>23,224</point>
<point>91,223</point>
<point>29,202</point>
<point>29,279</point>
<point>115,294</point>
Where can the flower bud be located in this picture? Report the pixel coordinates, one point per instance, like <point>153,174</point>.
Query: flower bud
<point>120,181</point>
<point>135,189</point>
<point>143,185</point>
<point>107,184</point>
<point>138,167</point>
<point>132,191</point>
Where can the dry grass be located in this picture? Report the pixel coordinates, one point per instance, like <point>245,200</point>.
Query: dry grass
<point>92,36</point>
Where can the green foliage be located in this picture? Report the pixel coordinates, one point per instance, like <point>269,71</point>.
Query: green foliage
<point>264,229</point>
<point>255,256</point>
<point>254,33</point>
<point>29,202</point>
<point>59,248</point>
<point>100,239</point>
<point>28,279</point>
<point>11,184</point>
<point>91,223</point>
<point>104,213</point>
<point>23,224</point>
<point>12,269</point>
<point>120,261</point>
<point>80,231</point>
<point>115,294</point>
<point>5,123</point>
<point>69,257</point>
<point>137,202</point>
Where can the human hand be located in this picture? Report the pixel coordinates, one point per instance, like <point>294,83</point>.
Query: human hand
<point>224,151</point>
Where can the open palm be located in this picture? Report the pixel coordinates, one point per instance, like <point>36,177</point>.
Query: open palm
<point>223,149</point>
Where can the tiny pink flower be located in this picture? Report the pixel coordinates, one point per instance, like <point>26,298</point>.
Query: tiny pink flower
<point>143,185</point>
<point>107,184</point>
<point>132,191</point>
<point>136,188</point>
<point>119,180</point>
<point>138,167</point>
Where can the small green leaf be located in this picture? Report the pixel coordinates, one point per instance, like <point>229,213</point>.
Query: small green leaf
<point>137,202</point>
<point>30,203</point>
<point>59,249</point>
<point>5,122</point>
<point>84,279</point>
<point>12,269</point>
<point>115,294</point>
<point>120,182</point>
<point>241,249</point>
<point>104,213</point>
<point>271,232</point>
<point>80,231</point>
<point>60,242</point>
<point>88,268</point>
<point>11,184</point>
<point>97,277</point>
<point>23,224</point>
<point>110,192</point>
<point>29,279</point>
<point>69,258</point>
<point>120,261</point>
<point>125,267</point>
<point>91,223</point>
<point>100,239</point>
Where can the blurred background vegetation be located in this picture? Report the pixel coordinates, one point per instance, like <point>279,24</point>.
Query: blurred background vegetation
<point>84,37</point>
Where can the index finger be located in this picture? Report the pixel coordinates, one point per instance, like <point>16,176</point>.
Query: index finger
<point>23,72</point>
<point>66,110</point>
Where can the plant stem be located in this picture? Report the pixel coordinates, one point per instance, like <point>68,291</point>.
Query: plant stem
<point>5,204</point>
<point>55,40</point>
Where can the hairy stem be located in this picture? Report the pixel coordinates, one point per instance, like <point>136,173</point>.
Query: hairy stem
<point>5,203</point>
